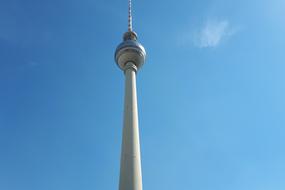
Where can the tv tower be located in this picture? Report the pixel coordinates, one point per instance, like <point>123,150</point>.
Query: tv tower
<point>130,56</point>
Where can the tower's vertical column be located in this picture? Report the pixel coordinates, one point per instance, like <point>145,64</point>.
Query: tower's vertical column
<point>130,174</point>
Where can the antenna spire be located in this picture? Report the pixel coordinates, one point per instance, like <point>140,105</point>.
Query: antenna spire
<point>130,34</point>
<point>130,22</point>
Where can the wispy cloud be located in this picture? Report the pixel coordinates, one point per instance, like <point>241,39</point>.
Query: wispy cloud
<point>213,33</point>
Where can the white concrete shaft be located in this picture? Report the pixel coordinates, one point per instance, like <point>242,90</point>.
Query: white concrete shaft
<point>130,174</point>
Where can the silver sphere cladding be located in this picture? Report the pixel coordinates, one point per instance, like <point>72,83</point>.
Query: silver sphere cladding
<point>130,51</point>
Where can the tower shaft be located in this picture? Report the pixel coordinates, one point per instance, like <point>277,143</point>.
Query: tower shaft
<point>130,171</point>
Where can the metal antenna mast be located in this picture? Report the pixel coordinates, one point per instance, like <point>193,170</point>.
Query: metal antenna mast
<point>130,19</point>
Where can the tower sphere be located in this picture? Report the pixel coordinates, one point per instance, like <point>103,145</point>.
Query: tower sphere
<point>130,50</point>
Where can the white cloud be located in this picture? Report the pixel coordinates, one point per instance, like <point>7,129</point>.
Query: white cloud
<point>213,33</point>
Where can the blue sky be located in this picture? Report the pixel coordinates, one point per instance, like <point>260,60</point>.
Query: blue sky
<point>211,94</point>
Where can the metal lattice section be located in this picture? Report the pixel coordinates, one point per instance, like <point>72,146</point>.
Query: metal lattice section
<point>130,24</point>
